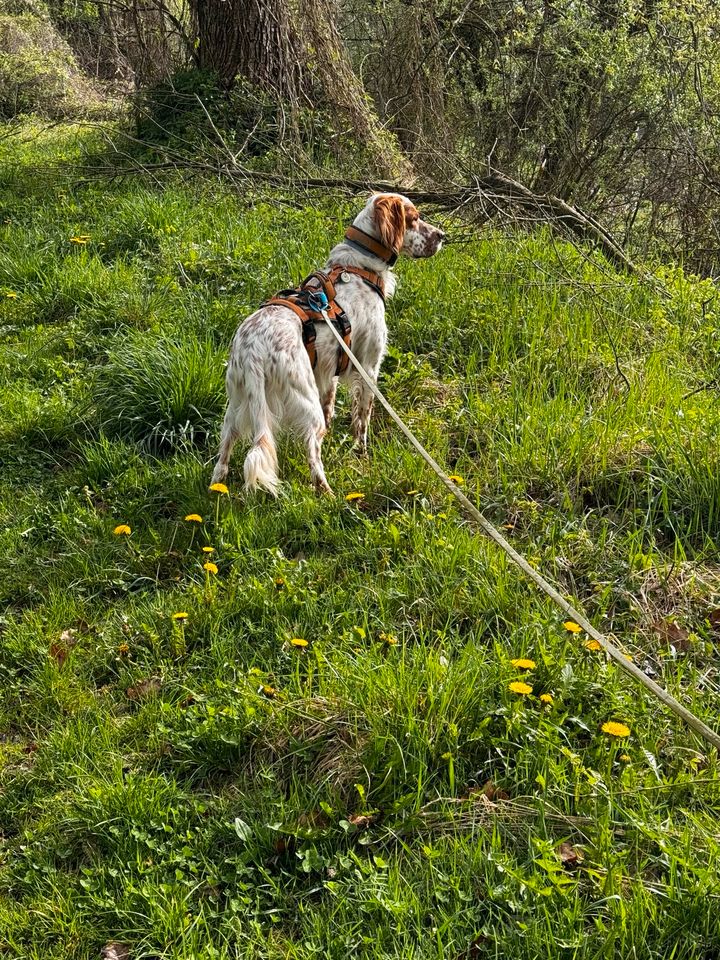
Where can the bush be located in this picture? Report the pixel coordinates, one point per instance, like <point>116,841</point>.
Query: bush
<point>38,71</point>
<point>171,113</point>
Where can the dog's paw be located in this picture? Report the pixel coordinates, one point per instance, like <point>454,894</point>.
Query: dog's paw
<point>323,490</point>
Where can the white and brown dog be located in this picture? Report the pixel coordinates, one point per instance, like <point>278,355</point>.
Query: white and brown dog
<point>274,382</point>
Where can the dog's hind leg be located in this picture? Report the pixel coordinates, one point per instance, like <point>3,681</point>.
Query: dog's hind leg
<point>305,412</point>
<point>310,423</point>
<point>362,404</point>
<point>313,443</point>
<point>229,437</point>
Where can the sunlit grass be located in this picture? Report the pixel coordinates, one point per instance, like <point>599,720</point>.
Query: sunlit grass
<point>308,728</point>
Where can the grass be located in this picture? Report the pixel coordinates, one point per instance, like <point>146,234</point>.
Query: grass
<point>201,787</point>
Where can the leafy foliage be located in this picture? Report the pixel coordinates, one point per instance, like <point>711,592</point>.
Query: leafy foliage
<point>610,105</point>
<point>182,111</point>
<point>38,72</point>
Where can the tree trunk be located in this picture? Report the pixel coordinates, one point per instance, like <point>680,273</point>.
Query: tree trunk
<point>343,92</point>
<point>251,38</point>
<point>259,40</point>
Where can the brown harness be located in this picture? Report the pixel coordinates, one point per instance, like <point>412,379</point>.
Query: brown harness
<point>307,300</point>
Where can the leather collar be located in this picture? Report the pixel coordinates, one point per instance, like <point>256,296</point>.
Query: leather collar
<point>358,238</point>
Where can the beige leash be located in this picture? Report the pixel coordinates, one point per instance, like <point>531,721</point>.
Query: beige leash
<point>617,655</point>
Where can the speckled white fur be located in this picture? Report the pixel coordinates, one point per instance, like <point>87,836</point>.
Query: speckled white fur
<point>270,382</point>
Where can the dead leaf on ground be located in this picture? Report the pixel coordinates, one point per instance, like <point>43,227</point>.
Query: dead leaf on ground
<point>569,855</point>
<point>490,791</point>
<point>143,689</point>
<point>58,653</point>
<point>315,819</point>
<point>673,633</point>
<point>281,845</point>
<point>714,618</point>
<point>59,649</point>
<point>115,951</point>
<point>361,820</point>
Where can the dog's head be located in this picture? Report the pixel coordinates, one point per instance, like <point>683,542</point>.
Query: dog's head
<point>396,222</point>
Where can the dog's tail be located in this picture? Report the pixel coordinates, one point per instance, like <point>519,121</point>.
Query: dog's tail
<point>261,463</point>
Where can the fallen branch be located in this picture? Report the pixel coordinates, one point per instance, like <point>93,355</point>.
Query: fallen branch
<point>490,195</point>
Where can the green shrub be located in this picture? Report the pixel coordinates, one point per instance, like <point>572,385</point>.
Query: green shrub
<point>38,72</point>
<point>173,113</point>
<point>192,112</point>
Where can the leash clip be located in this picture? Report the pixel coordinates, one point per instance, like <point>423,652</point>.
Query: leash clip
<point>318,301</point>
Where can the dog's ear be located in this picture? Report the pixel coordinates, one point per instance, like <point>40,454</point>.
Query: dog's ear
<point>389,213</point>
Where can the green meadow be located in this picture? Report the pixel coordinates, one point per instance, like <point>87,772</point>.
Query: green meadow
<point>204,786</point>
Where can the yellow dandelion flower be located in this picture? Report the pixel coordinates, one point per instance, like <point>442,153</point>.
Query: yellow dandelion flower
<point>210,567</point>
<point>522,664</point>
<point>180,615</point>
<point>546,697</point>
<point>572,627</point>
<point>593,645</point>
<point>122,530</point>
<point>517,686</point>
<point>123,649</point>
<point>625,758</point>
<point>279,583</point>
<point>456,478</point>
<point>219,488</point>
<point>615,729</point>
<point>354,496</point>
<point>11,294</point>
<point>208,549</point>
<point>389,638</point>
<point>268,691</point>
<point>298,642</point>
<point>194,518</point>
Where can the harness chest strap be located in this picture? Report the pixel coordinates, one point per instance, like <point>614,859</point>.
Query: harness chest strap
<point>329,279</point>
